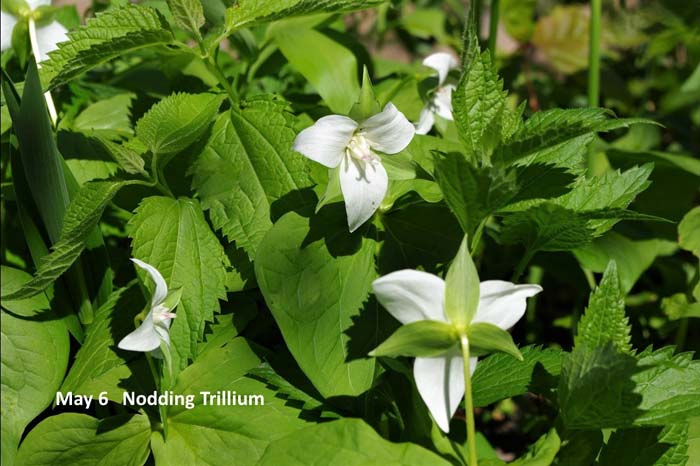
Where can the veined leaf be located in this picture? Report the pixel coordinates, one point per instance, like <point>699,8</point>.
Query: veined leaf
<point>247,167</point>
<point>604,320</point>
<point>173,236</point>
<point>689,231</point>
<point>128,159</point>
<point>109,35</point>
<point>247,13</point>
<point>82,440</point>
<point>82,216</point>
<point>108,118</point>
<point>647,446</point>
<point>188,14</point>
<point>542,452</point>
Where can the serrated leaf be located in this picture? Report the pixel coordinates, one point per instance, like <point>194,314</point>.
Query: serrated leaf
<point>501,376</point>
<point>108,118</point>
<point>650,446</point>
<point>315,289</point>
<point>177,121</point>
<point>689,231</point>
<point>542,452</point>
<point>247,13</point>
<point>174,237</point>
<point>128,159</point>
<point>82,216</point>
<point>247,167</point>
<point>188,14</point>
<point>424,338</point>
<point>82,440</point>
<point>604,319</point>
<point>107,36</point>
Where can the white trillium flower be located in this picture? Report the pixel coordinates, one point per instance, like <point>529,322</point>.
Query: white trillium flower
<point>155,328</point>
<point>47,36</point>
<point>337,140</point>
<point>441,101</point>
<point>411,295</point>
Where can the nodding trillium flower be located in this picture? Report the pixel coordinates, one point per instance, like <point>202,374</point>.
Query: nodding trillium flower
<point>340,141</point>
<point>155,328</point>
<point>412,296</point>
<point>440,102</point>
<point>47,35</point>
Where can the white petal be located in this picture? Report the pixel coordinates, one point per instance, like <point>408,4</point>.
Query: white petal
<point>7,24</point>
<point>442,63</point>
<point>425,121</point>
<point>440,382</point>
<point>411,295</point>
<point>364,186</point>
<point>144,338</point>
<point>161,290</point>
<point>503,303</point>
<point>443,101</point>
<point>48,37</point>
<point>389,131</point>
<point>34,4</point>
<point>325,141</point>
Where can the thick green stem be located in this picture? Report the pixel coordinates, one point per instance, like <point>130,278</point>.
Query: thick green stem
<point>216,71</point>
<point>468,402</point>
<point>594,55</point>
<point>493,26</point>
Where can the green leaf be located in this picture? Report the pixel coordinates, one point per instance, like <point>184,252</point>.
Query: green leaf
<point>487,338</point>
<point>211,435</point>
<point>81,218</point>
<point>650,446</point>
<point>542,452</point>
<point>367,105</point>
<point>188,14</point>
<point>108,118</point>
<point>128,159</point>
<point>173,236</point>
<point>109,35</point>
<point>247,13</point>
<point>329,66</point>
<point>247,168</point>
<point>34,361</point>
<point>501,376</point>
<point>604,320</point>
<point>518,18</point>
<point>550,128</point>
<point>82,440</point>
<point>424,338</point>
<point>13,279</point>
<point>315,287</point>
<point>349,442</point>
<point>596,389</point>
<point>177,121</point>
<point>462,288</point>
<point>677,307</point>
<point>689,231</point>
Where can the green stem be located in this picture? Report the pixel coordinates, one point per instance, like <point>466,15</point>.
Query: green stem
<point>468,402</point>
<point>594,55</point>
<point>493,26</point>
<point>213,67</point>
<point>522,264</point>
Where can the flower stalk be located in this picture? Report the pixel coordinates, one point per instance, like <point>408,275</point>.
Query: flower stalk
<point>594,55</point>
<point>468,401</point>
<point>493,26</point>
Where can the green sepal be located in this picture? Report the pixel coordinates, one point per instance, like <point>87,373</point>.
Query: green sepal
<point>17,8</point>
<point>424,338</point>
<point>20,40</point>
<point>173,299</point>
<point>462,288</point>
<point>333,191</point>
<point>487,338</point>
<point>44,15</point>
<point>368,104</point>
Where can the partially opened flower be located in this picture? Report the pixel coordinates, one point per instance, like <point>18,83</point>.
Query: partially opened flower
<point>354,147</point>
<point>440,101</point>
<point>44,36</point>
<point>412,296</point>
<point>155,327</point>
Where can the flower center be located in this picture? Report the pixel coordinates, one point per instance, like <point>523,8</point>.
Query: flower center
<point>359,148</point>
<point>160,313</point>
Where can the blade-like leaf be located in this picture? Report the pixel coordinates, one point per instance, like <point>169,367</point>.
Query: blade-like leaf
<point>487,338</point>
<point>424,338</point>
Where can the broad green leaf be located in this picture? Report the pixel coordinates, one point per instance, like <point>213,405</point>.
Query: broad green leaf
<point>689,231</point>
<point>633,257</point>
<point>647,446</point>
<point>462,288</point>
<point>82,440</point>
<point>109,35</point>
<point>424,338</point>
<point>349,442</point>
<point>487,338</point>
<point>174,237</point>
<point>327,65</point>
<point>247,13</point>
<point>580,448</point>
<point>604,320</point>
<point>315,287</point>
<point>563,38</point>
<point>501,376</point>
<point>99,366</point>
<point>13,279</point>
<point>108,118</point>
<point>681,162</point>
<point>34,361</point>
<point>542,452</point>
<point>128,159</point>
<point>188,14</point>
<point>248,169</point>
<point>177,121</point>
<point>82,216</point>
<point>550,128</point>
<point>596,389</point>
<point>211,435</point>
